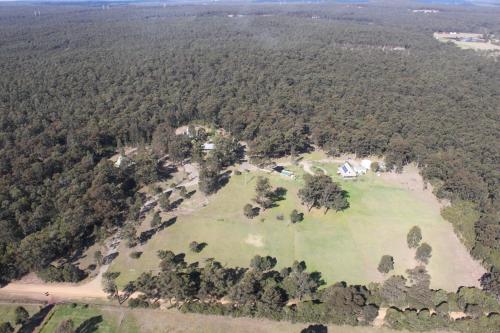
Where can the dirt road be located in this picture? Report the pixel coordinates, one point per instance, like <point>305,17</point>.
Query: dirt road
<point>56,292</point>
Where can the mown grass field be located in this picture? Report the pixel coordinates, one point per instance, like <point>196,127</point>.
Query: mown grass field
<point>88,318</point>
<point>343,246</point>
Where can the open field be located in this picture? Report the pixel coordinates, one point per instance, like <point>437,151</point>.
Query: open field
<point>121,319</point>
<point>467,41</point>
<point>93,318</point>
<point>342,246</point>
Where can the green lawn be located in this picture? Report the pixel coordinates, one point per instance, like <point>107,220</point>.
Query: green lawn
<point>97,319</point>
<point>344,246</point>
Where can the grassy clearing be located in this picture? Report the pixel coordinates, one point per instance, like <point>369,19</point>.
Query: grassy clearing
<point>343,246</point>
<point>173,321</point>
<point>97,319</point>
<point>126,320</point>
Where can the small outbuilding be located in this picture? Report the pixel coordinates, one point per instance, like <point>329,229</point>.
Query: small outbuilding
<point>366,164</point>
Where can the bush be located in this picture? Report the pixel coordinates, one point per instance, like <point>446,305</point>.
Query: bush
<point>135,254</point>
<point>195,247</point>
<point>21,315</point>
<point>66,273</point>
<point>386,264</point>
<point>6,327</point>
<point>423,253</point>
<point>183,192</point>
<point>414,237</point>
<point>295,216</point>
<point>250,211</point>
<point>66,326</point>
<point>156,220</point>
<point>139,302</point>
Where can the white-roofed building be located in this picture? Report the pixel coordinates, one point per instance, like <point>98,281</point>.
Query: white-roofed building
<point>347,171</point>
<point>208,146</point>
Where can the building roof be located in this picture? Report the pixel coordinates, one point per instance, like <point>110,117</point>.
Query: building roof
<point>346,170</point>
<point>208,146</point>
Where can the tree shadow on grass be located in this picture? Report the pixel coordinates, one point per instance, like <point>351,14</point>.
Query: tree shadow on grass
<point>316,276</point>
<point>90,325</point>
<point>167,223</point>
<point>224,179</point>
<point>176,203</point>
<point>32,323</point>
<point>190,194</point>
<point>279,193</point>
<point>109,258</point>
<point>146,235</point>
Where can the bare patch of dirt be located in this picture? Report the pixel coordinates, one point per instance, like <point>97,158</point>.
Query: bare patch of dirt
<point>411,180</point>
<point>255,240</point>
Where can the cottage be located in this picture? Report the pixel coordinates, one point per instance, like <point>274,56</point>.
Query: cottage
<point>287,173</point>
<point>208,146</point>
<point>347,171</point>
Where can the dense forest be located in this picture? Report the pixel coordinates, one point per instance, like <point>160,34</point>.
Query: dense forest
<point>79,82</point>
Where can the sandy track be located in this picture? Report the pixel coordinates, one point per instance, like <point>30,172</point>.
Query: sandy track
<point>57,292</point>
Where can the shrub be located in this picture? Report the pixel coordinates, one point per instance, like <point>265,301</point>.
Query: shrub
<point>66,273</point>
<point>135,254</point>
<point>139,302</point>
<point>156,220</point>
<point>66,326</point>
<point>386,264</point>
<point>423,253</point>
<point>295,216</point>
<point>249,211</point>
<point>414,237</point>
<point>197,247</point>
<point>183,192</point>
<point>21,315</point>
<point>6,327</point>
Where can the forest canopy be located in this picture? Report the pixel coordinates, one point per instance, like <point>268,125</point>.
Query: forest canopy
<point>78,82</point>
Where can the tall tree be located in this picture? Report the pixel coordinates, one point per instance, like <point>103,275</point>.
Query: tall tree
<point>414,237</point>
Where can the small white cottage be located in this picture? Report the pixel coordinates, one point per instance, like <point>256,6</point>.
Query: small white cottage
<point>347,171</point>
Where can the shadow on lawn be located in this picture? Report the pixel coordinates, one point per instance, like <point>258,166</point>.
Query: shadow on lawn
<point>35,320</point>
<point>90,325</point>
